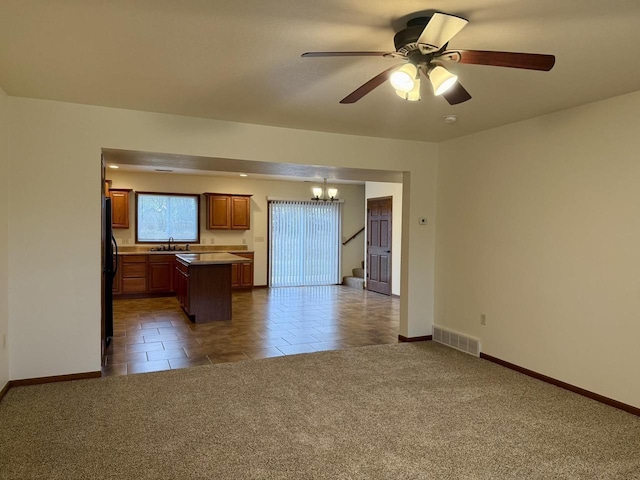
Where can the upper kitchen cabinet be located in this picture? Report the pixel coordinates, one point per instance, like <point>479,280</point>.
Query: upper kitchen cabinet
<point>119,207</point>
<point>228,212</point>
<point>240,212</point>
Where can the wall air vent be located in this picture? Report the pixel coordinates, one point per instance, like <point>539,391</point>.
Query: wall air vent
<point>461,342</point>
<point>166,170</point>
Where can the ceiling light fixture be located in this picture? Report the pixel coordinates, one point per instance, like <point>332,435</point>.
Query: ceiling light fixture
<point>413,95</point>
<point>441,79</point>
<point>114,166</point>
<point>404,79</point>
<point>324,194</point>
<point>244,175</point>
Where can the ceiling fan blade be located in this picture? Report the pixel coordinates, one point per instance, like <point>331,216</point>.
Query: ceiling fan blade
<point>440,29</point>
<point>529,61</point>
<point>456,94</point>
<point>345,54</point>
<point>362,90</point>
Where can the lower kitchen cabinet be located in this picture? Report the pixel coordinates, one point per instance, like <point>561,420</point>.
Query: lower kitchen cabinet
<point>182,285</point>
<point>242,273</point>
<point>134,273</point>
<point>142,274</point>
<point>160,273</point>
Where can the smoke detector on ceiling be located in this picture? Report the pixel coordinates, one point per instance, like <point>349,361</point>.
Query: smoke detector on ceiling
<point>451,119</point>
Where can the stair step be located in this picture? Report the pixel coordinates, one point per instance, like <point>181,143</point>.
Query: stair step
<point>354,282</point>
<point>358,272</point>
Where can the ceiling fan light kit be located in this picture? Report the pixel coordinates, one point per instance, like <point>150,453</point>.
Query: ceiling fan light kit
<point>423,46</point>
<point>403,79</point>
<point>413,95</point>
<point>441,80</point>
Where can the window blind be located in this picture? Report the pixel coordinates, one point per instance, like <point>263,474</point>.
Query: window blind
<point>304,243</point>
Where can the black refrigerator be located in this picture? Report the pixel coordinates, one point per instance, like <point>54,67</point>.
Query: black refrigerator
<point>110,268</point>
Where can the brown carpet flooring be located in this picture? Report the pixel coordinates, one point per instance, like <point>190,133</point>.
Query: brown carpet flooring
<point>390,412</point>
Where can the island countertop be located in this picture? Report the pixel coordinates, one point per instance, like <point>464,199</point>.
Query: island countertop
<point>211,258</point>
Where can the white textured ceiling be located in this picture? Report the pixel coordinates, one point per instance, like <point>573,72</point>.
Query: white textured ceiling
<point>240,61</point>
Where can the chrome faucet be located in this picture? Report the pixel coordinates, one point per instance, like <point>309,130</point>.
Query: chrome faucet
<point>171,240</point>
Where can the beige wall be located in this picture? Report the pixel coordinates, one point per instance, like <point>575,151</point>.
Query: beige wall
<point>539,228</point>
<point>256,238</point>
<point>394,190</point>
<point>4,232</point>
<point>54,222</point>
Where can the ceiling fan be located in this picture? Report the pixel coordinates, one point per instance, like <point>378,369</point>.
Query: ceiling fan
<point>423,47</point>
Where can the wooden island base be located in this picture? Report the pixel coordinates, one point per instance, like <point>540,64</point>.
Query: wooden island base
<point>204,285</point>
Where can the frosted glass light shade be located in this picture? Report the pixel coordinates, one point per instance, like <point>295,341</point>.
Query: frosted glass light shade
<point>317,192</point>
<point>332,192</point>
<point>441,80</point>
<point>404,78</point>
<point>413,95</point>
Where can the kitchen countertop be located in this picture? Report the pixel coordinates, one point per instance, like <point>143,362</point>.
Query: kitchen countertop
<point>145,249</point>
<point>216,258</point>
<point>179,252</point>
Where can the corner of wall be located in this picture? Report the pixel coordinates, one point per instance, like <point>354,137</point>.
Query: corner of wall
<point>4,234</point>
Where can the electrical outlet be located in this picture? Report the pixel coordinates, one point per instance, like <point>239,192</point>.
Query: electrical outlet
<point>483,319</point>
<point>125,241</point>
<point>244,241</point>
<point>259,239</point>
<point>212,240</point>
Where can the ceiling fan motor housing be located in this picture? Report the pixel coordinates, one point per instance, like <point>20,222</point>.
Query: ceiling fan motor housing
<point>406,40</point>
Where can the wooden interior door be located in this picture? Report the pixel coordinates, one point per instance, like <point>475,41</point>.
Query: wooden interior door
<point>379,215</point>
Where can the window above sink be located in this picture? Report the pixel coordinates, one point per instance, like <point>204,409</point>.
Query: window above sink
<point>161,217</point>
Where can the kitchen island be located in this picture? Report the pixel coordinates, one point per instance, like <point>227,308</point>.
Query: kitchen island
<point>204,284</point>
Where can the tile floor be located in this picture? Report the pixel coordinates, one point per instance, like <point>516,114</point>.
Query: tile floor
<point>154,334</point>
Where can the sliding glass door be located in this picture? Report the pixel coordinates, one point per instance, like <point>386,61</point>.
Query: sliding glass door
<point>304,243</point>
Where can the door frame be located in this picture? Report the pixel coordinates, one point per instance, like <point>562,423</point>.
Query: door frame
<point>366,254</point>
<point>103,191</point>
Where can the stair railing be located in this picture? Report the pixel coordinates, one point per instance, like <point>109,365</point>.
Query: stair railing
<point>353,236</point>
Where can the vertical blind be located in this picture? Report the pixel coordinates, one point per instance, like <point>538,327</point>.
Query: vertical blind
<point>304,243</point>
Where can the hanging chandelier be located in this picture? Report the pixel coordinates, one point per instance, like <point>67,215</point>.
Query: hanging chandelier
<point>324,194</point>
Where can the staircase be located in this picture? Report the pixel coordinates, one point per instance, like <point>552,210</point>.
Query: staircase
<point>357,280</point>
